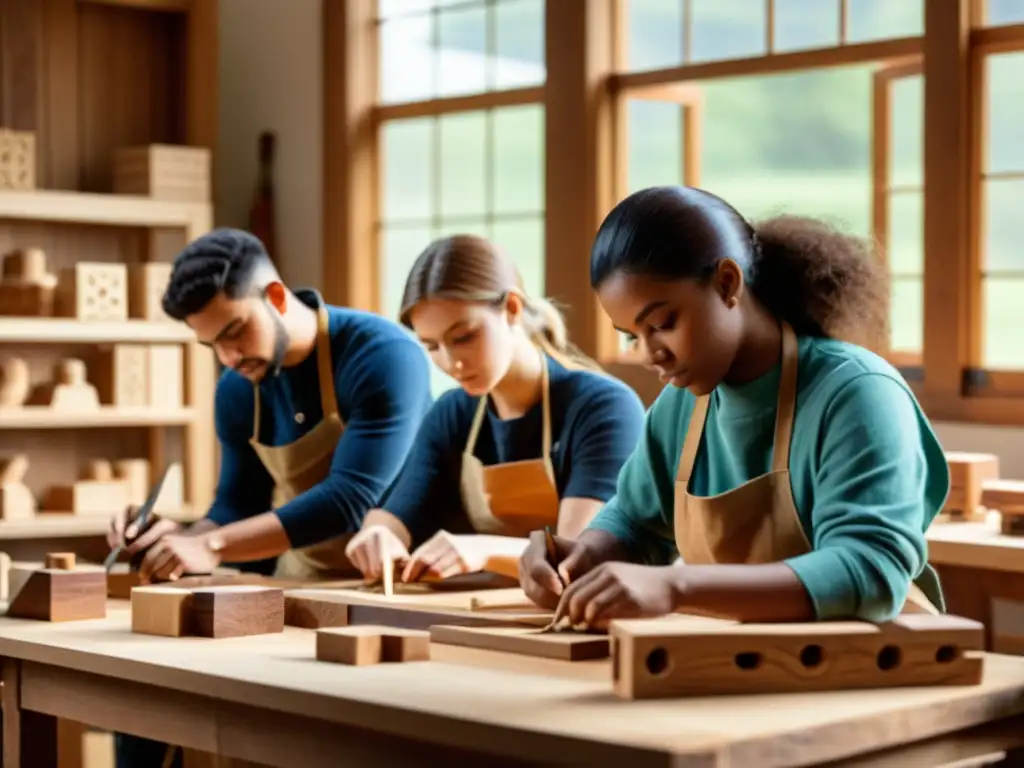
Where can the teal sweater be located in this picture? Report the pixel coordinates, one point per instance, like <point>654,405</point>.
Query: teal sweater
<point>867,472</point>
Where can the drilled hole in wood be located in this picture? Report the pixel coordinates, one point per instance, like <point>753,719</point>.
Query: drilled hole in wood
<point>657,661</point>
<point>749,660</point>
<point>946,654</point>
<point>812,655</point>
<point>889,658</point>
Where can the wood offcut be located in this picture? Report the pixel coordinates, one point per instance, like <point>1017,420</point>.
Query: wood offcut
<point>369,644</point>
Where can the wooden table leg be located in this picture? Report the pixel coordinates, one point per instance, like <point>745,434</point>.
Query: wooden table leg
<point>29,738</point>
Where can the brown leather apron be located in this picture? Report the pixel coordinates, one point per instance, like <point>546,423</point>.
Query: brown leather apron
<point>757,522</point>
<point>516,497</point>
<point>301,465</point>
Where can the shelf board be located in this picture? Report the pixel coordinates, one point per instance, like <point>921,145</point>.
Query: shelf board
<point>96,208</point>
<point>42,417</point>
<point>66,524</point>
<point>33,330</point>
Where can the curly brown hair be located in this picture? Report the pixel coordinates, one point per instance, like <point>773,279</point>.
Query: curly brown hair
<point>821,280</point>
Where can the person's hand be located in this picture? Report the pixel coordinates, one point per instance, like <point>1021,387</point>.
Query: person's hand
<point>174,556</point>
<point>124,529</point>
<point>542,580</point>
<point>443,556</point>
<point>620,591</point>
<point>371,547</point>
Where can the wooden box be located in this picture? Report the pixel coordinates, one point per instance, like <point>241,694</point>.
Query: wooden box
<point>146,285</point>
<point>967,473</point>
<point>163,171</point>
<point>93,291</point>
<point>120,374</point>
<point>17,159</point>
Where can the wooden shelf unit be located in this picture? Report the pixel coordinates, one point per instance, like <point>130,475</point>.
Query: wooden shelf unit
<point>57,330</point>
<point>41,417</point>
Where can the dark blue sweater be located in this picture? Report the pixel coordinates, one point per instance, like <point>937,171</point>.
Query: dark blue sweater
<point>596,422</point>
<point>382,384</point>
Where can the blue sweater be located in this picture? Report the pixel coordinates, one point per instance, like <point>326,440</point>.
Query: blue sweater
<point>596,422</point>
<point>382,384</point>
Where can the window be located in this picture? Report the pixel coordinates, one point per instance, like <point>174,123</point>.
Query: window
<point>1000,12</point>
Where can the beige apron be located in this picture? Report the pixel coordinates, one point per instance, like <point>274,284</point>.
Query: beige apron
<point>757,522</point>
<point>516,497</point>
<point>301,465</point>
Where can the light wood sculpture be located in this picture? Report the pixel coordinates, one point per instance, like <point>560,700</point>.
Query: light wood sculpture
<point>146,285</point>
<point>213,611</point>
<point>96,491</point>
<point>120,373</point>
<point>1007,498</point>
<point>57,593</point>
<point>14,383</point>
<point>967,473</point>
<point>93,291</point>
<point>16,500</point>
<point>17,159</point>
<point>26,288</point>
<point>69,391</point>
<point>693,656</point>
<point>370,644</point>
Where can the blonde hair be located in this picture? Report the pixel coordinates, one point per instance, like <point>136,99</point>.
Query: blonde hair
<point>470,268</point>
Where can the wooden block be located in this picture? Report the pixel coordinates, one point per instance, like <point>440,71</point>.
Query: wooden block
<point>565,646</point>
<point>371,644</point>
<point>120,374</point>
<point>93,291</point>
<point>16,502</point>
<point>60,561</point>
<point>691,656</point>
<point>146,285</point>
<point>162,610</point>
<point>121,580</point>
<point>57,595</point>
<point>235,611</point>
<point>87,497</point>
<point>967,474</point>
<point>166,376</point>
<point>14,382</point>
<point>5,576</point>
<point>163,171</point>
<point>17,159</point>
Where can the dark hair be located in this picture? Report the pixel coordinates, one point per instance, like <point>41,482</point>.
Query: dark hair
<point>822,281</point>
<point>470,268</point>
<point>227,260</point>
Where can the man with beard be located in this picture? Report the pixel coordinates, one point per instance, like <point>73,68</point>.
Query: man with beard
<point>315,413</point>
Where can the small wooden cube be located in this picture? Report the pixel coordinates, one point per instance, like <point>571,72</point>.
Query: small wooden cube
<point>93,291</point>
<point>17,159</point>
<point>57,595</point>
<point>370,644</point>
<point>160,610</point>
<point>60,561</point>
<point>236,611</point>
<point>163,171</point>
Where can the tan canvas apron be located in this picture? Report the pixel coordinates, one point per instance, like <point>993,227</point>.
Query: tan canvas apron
<point>757,522</point>
<point>300,465</point>
<point>516,497</point>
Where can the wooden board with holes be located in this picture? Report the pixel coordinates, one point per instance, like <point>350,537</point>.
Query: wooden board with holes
<point>692,656</point>
<point>565,646</point>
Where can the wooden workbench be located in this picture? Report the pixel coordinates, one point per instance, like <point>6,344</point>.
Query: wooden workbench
<point>266,699</point>
<point>982,574</point>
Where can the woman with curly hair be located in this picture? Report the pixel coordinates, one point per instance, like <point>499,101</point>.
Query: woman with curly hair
<point>789,468</point>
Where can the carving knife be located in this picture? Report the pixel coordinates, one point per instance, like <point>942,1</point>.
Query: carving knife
<point>141,520</point>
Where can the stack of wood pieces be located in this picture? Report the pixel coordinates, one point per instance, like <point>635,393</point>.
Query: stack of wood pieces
<point>234,610</point>
<point>56,590</point>
<point>371,644</point>
<point>968,473</point>
<point>1007,498</point>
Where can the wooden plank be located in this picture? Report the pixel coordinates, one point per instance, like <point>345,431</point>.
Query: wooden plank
<point>565,646</point>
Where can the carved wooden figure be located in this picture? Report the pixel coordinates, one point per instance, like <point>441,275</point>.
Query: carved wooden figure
<point>69,390</point>
<point>27,289</point>
<point>14,382</point>
<point>57,593</point>
<point>369,644</point>
<point>16,500</point>
<point>967,473</point>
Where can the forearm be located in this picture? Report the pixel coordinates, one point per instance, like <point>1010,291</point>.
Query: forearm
<point>748,593</point>
<point>199,527</point>
<point>256,538</point>
<point>384,518</point>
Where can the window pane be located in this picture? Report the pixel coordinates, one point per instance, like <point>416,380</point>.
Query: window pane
<point>463,165</point>
<point>462,51</point>
<point>522,241</point>
<point>399,248</point>
<point>906,161</point>
<point>655,33</point>
<point>727,29</point>
<point>906,301</point>
<point>408,179</point>
<point>519,43</point>
<point>906,234</point>
<point>1004,204</point>
<point>1005,78</point>
<point>882,19</point>
<point>1004,317</point>
<point>518,159</point>
<point>388,8</point>
<point>1005,12</point>
<point>803,24</point>
<point>406,59</point>
<point>655,144</point>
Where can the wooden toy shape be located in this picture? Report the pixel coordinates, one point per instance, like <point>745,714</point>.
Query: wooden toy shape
<point>57,594</point>
<point>1007,498</point>
<point>236,611</point>
<point>17,159</point>
<point>565,646</point>
<point>16,500</point>
<point>692,656</point>
<point>69,391</point>
<point>146,285</point>
<point>96,491</point>
<point>26,288</point>
<point>14,382</point>
<point>162,610</point>
<point>967,474</point>
<point>93,291</point>
<point>163,171</point>
<point>368,644</point>
<point>120,374</point>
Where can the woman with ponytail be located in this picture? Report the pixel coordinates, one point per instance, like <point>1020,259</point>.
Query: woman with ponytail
<point>788,467</point>
<point>534,436</point>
